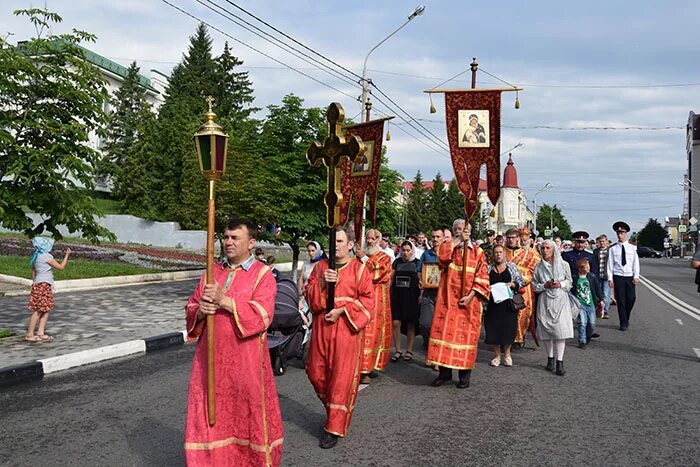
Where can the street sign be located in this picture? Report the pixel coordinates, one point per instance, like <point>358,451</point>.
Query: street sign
<point>547,232</point>
<point>556,229</point>
<point>682,228</point>
<point>693,221</point>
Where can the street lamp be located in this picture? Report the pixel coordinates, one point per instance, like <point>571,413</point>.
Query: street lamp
<point>534,200</point>
<point>365,83</point>
<point>211,144</point>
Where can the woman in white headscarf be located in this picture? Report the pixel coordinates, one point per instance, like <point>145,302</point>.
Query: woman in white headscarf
<point>552,281</point>
<point>316,254</point>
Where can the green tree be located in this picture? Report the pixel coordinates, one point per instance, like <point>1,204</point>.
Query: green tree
<point>234,94</point>
<point>454,204</point>
<point>436,202</point>
<point>181,196</point>
<point>553,214</point>
<point>388,210</point>
<point>417,210</point>
<point>652,235</point>
<point>50,100</point>
<point>296,187</point>
<point>130,118</point>
<point>136,172</point>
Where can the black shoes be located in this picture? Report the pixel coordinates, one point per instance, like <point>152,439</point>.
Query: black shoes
<point>581,345</point>
<point>464,377</point>
<point>439,381</point>
<point>550,364</point>
<point>560,368</point>
<point>594,335</point>
<point>623,327</point>
<point>373,374</point>
<point>329,440</point>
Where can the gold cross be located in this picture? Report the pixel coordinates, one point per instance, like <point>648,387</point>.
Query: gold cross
<point>334,148</point>
<point>210,101</point>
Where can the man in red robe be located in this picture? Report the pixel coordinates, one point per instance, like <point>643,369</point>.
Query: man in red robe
<point>454,334</point>
<point>333,363</point>
<point>520,253</point>
<point>248,429</point>
<point>377,338</point>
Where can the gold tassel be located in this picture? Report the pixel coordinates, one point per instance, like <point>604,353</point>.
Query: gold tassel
<point>432,107</point>
<point>388,133</point>
<point>517,100</point>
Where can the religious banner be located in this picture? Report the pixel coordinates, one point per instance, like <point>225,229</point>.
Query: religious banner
<point>362,177</point>
<point>473,120</point>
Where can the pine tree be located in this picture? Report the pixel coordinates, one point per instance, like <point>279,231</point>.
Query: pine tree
<point>436,202</point>
<point>454,204</point>
<point>122,133</point>
<point>134,181</point>
<point>417,211</point>
<point>388,190</point>
<point>234,94</point>
<point>652,235</point>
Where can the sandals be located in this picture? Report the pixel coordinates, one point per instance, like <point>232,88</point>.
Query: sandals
<point>408,356</point>
<point>396,357</point>
<point>45,338</point>
<point>32,338</point>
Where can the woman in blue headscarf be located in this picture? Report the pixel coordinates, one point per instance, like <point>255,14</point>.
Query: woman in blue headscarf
<point>41,298</point>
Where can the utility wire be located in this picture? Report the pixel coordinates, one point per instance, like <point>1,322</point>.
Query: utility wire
<point>432,148</point>
<point>292,39</point>
<point>277,42</point>
<point>256,50</point>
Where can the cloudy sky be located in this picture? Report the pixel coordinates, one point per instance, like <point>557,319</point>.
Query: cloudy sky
<point>597,64</point>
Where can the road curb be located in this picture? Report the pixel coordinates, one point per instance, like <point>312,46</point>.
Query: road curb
<point>36,370</point>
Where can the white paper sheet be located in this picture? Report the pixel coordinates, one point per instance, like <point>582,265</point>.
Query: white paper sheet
<point>500,292</point>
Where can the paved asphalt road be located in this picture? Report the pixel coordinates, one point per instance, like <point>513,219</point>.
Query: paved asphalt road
<point>631,398</point>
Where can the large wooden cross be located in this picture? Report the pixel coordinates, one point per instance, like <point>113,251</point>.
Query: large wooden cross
<point>334,148</point>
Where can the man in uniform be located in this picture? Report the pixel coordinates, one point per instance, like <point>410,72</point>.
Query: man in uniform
<point>377,338</point>
<point>623,273</point>
<point>580,239</point>
<point>488,244</point>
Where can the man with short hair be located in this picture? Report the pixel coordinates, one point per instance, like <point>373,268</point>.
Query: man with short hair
<point>242,302</point>
<point>580,238</point>
<point>600,256</point>
<point>377,337</point>
<point>454,334</point>
<point>428,295</point>
<point>335,350</point>
<point>421,244</point>
<point>525,258</point>
<point>385,245</point>
<point>623,273</point>
<point>500,240</point>
<point>488,244</point>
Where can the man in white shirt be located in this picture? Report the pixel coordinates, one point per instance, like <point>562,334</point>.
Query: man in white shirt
<point>385,245</point>
<point>623,273</point>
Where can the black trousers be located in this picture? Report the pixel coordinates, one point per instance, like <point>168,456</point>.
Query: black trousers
<point>446,373</point>
<point>625,295</point>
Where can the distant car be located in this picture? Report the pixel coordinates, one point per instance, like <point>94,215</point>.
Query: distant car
<point>646,252</point>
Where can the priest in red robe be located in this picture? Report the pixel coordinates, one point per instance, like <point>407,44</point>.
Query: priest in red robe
<point>333,363</point>
<point>456,327</point>
<point>377,339</point>
<point>248,429</point>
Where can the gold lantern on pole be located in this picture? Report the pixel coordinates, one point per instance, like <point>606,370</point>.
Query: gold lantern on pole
<point>211,144</point>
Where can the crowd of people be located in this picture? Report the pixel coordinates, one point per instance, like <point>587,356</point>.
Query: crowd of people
<point>442,289</point>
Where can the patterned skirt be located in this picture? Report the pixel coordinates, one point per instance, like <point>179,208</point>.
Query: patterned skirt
<point>41,298</point>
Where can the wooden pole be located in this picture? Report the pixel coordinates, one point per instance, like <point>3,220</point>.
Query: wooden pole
<point>330,286</point>
<point>211,395</point>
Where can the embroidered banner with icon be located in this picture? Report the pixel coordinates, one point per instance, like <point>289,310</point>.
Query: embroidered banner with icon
<point>473,119</point>
<point>360,178</point>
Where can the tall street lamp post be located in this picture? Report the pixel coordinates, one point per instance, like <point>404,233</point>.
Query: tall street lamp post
<point>365,82</point>
<point>534,200</point>
<point>211,144</point>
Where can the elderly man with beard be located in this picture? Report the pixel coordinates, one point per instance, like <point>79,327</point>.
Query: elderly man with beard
<point>377,339</point>
<point>526,259</point>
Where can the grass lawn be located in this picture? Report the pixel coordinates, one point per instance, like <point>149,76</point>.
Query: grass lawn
<point>76,268</point>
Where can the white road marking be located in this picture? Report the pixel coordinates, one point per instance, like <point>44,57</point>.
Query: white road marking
<point>680,323</point>
<point>697,352</point>
<point>363,386</point>
<point>676,303</point>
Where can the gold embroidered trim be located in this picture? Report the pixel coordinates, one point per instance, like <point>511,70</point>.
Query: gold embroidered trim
<point>228,441</point>
<point>452,346</point>
<point>263,313</point>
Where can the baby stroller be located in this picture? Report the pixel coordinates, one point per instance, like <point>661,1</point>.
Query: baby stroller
<point>287,333</point>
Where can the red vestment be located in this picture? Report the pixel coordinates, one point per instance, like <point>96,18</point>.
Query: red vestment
<point>248,429</point>
<point>333,364</point>
<point>454,334</point>
<point>526,260</point>
<point>377,338</point>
